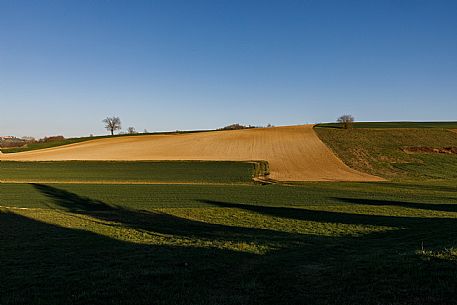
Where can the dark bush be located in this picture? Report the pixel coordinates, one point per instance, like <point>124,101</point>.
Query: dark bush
<point>236,127</point>
<point>51,139</point>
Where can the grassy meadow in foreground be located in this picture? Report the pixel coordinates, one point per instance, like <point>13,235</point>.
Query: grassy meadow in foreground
<point>316,243</point>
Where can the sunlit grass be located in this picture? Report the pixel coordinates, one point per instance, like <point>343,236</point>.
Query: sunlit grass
<point>302,243</point>
<point>379,151</point>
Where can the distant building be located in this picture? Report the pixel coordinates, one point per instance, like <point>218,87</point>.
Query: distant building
<point>3,138</point>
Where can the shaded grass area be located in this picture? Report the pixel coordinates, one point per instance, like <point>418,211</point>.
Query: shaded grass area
<point>318,243</point>
<point>35,146</point>
<point>112,171</point>
<point>379,151</point>
<point>443,125</point>
<point>183,196</point>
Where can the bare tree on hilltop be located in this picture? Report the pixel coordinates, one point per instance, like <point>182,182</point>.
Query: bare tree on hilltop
<point>112,124</point>
<point>346,121</point>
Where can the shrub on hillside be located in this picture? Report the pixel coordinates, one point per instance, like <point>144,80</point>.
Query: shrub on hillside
<point>51,139</point>
<point>236,127</point>
<point>346,121</point>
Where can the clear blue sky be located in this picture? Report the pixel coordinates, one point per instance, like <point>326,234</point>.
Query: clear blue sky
<point>167,65</point>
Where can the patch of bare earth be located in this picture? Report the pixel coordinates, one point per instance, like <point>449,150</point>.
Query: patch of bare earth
<point>294,153</point>
<point>431,150</point>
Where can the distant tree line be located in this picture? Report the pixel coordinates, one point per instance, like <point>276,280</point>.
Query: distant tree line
<point>112,124</point>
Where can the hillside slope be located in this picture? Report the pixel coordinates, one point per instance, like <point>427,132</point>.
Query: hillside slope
<point>294,153</point>
<point>395,153</point>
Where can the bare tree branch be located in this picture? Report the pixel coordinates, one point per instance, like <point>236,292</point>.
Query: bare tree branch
<point>346,121</point>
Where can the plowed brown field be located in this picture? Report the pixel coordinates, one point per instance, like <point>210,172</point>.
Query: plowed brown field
<point>294,153</point>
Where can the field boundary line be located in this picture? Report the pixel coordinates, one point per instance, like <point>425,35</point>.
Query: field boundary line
<point>119,182</point>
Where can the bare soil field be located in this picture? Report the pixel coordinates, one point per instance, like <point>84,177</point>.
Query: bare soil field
<point>294,153</point>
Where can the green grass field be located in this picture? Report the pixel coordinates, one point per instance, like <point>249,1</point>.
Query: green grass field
<point>317,243</point>
<point>207,234</point>
<point>129,172</point>
<point>379,151</point>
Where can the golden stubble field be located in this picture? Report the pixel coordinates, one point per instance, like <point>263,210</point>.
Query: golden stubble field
<point>294,153</point>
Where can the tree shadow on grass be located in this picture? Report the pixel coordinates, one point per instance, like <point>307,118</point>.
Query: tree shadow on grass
<point>382,267</point>
<point>48,264</point>
<point>224,276</point>
<point>409,232</point>
<point>70,201</point>
<point>414,186</point>
<point>155,221</point>
<point>442,207</point>
<point>329,217</point>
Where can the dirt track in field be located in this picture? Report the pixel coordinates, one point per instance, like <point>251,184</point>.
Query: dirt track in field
<point>294,153</point>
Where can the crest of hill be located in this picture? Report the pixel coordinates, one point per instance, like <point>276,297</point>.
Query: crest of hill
<point>294,153</point>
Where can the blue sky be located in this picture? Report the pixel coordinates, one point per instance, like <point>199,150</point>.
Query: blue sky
<point>168,65</point>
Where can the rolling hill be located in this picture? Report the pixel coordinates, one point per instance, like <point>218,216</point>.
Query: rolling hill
<point>294,153</point>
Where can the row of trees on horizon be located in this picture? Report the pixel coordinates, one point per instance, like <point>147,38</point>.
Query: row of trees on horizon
<point>114,124</point>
